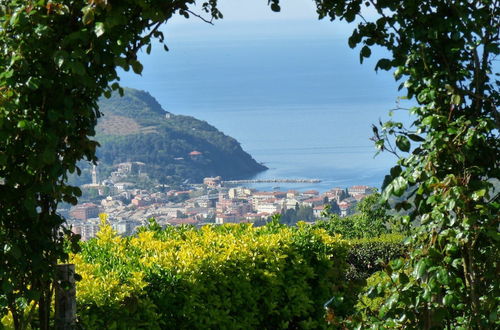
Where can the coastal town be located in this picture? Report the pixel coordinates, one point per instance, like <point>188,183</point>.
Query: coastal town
<point>211,202</point>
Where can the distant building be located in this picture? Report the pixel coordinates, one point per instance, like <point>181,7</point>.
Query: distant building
<point>125,227</point>
<point>84,211</point>
<point>182,221</point>
<point>86,230</point>
<point>212,182</point>
<point>140,201</point>
<point>225,218</point>
<point>261,196</point>
<point>346,208</point>
<point>360,190</point>
<point>312,202</point>
<point>270,206</point>
<point>317,210</point>
<point>121,186</point>
<point>311,193</point>
<point>336,194</point>
<point>94,175</point>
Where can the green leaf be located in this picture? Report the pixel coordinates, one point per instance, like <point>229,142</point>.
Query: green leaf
<point>386,194</point>
<point>448,300</point>
<point>275,7</point>
<point>456,99</point>
<point>364,53</point>
<point>403,278</point>
<point>3,159</point>
<point>429,120</point>
<point>99,29</point>
<point>7,74</point>
<point>403,143</point>
<point>33,83</point>
<point>421,268</point>
<point>416,138</point>
<point>384,64</point>
<point>392,301</point>
<point>399,185</point>
<point>48,156</point>
<point>137,67</point>
<point>60,57</point>
<point>396,171</point>
<point>14,19</point>
<point>22,124</point>
<point>478,194</point>
<point>77,68</point>
<point>88,14</point>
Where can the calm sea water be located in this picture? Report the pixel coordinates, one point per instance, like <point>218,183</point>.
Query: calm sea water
<point>302,105</point>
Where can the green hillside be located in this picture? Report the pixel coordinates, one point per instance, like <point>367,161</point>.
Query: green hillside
<point>136,128</point>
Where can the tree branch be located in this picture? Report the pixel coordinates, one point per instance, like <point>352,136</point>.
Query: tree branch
<point>200,17</point>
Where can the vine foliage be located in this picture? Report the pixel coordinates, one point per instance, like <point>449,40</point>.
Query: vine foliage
<point>57,58</point>
<point>443,52</point>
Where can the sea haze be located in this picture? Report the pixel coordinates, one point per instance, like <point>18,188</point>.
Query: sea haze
<point>300,103</point>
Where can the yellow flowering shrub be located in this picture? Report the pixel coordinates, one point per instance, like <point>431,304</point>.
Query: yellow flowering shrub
<point>224,277</point>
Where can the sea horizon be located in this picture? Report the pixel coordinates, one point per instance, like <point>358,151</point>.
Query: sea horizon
<point>302,105</point>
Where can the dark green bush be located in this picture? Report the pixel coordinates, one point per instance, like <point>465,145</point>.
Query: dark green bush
<point>369,255</point>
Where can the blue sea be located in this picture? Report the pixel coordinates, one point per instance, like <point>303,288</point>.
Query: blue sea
<point>297,100</point>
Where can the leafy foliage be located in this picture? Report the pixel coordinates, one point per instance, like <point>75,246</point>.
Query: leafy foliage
<point>231,276</point>
<point>58,58</point>
<point>369,255</point>
<point>444,50</point>
<point>299,213</point>
<point>370,220</point>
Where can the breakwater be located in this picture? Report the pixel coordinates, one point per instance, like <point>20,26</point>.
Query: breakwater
<point>236,182</point>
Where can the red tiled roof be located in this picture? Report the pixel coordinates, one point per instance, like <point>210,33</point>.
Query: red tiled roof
<point>309,192</point>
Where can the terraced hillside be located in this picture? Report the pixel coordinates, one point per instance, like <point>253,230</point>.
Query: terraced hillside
<point>136,128</point>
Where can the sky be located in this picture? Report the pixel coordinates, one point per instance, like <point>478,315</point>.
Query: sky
<point>255,20</point>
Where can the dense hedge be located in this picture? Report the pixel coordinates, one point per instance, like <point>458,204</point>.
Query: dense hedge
<point>369,255</point>
<point>226,277</point>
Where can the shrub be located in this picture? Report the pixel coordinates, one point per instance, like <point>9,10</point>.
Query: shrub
<point>359,225</point>
<point>369,255</point>
<point>226,277</point>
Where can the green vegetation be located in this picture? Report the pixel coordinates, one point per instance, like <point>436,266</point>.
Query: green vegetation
<point>223,277</point>
<point>59,57</point>
<point>370,220</point>
<point>299,213</point>
<point>164,143</point>
<point>443,52</point>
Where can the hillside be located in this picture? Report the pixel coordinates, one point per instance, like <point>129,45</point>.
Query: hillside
<point>136,128</point>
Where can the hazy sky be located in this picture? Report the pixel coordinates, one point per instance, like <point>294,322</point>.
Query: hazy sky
<point>254,19</point>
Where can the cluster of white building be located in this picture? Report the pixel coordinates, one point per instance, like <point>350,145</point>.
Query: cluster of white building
<point>129,208</point>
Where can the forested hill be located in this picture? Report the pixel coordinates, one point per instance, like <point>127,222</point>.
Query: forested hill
<point>136,128</point>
